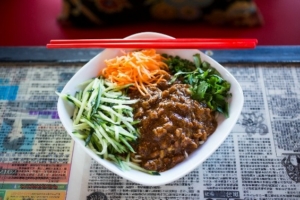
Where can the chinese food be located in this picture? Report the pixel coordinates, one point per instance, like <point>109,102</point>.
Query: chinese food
<point>149,111</point>
<point>172,125</point>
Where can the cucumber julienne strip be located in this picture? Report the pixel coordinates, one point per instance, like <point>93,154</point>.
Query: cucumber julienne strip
<point>92,100</point>
<point>98,99</point>
<point>81,126</point>
<point>118,101</point>
<point>70,98</point>
<point>85,97</point>
<point>104,120</point>
<point>77,96</point>
<point>120,116</point>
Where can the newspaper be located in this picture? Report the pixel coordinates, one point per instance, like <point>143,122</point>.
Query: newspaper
<point>35,152</point>
<point>260,159</point>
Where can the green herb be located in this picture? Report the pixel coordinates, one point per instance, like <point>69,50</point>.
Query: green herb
<point>207,85</point>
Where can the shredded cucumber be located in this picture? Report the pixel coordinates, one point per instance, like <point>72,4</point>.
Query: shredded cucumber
<point>103,118</point>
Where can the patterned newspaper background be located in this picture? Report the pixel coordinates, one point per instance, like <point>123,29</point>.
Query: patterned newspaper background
<point>260,159</point>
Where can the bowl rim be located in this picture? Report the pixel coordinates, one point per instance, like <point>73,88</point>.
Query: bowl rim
<point>191,162</point>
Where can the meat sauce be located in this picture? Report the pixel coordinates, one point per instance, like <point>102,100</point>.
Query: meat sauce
<point>172,125</point>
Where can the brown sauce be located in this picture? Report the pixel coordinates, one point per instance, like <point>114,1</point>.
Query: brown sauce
<point>172,125</point>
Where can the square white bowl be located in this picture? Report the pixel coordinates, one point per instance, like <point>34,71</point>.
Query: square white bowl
<point>92,69</point>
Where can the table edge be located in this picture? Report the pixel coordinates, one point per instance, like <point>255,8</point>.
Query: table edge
<point>261,54</point>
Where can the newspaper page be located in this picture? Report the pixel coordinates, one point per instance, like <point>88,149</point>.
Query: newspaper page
<point>35,151</point>
<point>260,159</point>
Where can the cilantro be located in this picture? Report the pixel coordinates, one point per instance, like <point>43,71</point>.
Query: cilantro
<point>207,85</point>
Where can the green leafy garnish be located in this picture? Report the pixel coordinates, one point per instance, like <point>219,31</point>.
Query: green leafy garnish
<point>207,85</point>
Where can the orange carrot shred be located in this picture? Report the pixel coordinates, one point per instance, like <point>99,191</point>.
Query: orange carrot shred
<point>140,68</point>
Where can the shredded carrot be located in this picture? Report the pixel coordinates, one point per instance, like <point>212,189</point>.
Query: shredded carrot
<point>140,68</point>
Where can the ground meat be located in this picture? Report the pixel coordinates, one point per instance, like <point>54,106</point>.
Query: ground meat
<point>172,126</point>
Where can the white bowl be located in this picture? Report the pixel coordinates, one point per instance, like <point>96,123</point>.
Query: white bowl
<point>92,69</point>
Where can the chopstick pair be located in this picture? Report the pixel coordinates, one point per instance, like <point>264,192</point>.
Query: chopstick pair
<point>180,43</point>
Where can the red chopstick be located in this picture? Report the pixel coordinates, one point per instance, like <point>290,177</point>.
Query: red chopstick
<point>181,43</point>
<point>152,40</point>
